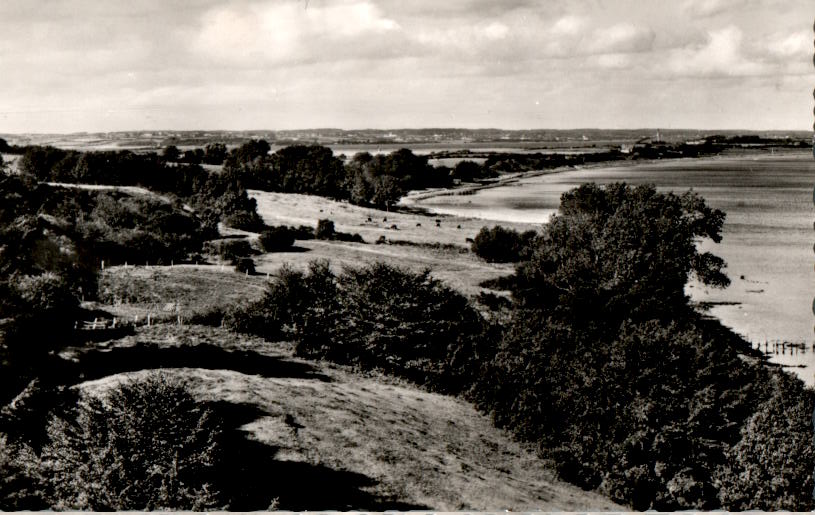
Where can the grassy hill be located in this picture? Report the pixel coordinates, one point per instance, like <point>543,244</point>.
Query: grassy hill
<point>319,436</point>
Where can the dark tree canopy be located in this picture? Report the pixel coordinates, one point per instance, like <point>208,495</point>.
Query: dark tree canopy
<point>619,252</point>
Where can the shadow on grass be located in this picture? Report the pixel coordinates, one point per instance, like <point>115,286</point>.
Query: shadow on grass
<point>293,249</point>
<point>53,376</point>
<point>252,479</point>
<point>97,364</point>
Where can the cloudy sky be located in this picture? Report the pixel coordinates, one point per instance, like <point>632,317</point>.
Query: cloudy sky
<point>88,65</point>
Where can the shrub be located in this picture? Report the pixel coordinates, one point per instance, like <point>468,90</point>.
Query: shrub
<point>244,265</point>
<point>770,468</point>
<point>325,230</point>
<point>344,236</point>
<point>245,220</point>
<point>403,322</point>
<point>276,239</point>
<point>501,245</point>
<point>20,482</point>
<point>292,301</point>
<point>46,293</point>
<point>149,445</point>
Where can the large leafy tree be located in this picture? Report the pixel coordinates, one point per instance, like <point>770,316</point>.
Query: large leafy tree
<point>620,252</point>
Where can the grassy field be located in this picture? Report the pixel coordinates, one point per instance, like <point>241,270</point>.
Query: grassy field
<point>318,436</point>
<point>414,239</point>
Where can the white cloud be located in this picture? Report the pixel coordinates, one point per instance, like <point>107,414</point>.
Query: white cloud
<point>568,26</point>
<point>496,30</point>
<point>708,8</point>
<point>721,56</point>
<point>798,44</point>
<point>622,38</point>
<point>290,32</point>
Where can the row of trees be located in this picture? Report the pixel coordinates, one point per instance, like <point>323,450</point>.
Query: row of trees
<point>216,197</point>
<point>312,169</point>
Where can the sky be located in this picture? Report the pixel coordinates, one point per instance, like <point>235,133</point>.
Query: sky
<point>89,65</point>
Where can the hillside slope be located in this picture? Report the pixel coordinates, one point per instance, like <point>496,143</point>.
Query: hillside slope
<point>315,436</point>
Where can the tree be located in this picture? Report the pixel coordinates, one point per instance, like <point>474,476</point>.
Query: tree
<point>620,252</point>
<point>325,230</point>
<point>276,239</point>
<point>467,171</point>
<point>501,245</point>
<point>171,153</point>
<point>215,153</point>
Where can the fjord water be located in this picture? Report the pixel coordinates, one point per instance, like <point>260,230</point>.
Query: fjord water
<point>767,236</point>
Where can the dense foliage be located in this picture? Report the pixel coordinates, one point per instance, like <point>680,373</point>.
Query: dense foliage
<point>618,252</point>
<point>276,239</point>
<point>405,323</point>
<point>45,271</point>
<point>147,445</point>
<point>502,245</point>
<point>606,366</point>
<point>213,195</point>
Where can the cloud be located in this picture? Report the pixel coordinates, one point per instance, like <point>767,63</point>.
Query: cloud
<point>291,32</point>
<point>721,56</point>
<point>709,8</point>
<point>798,44</point>
<point>568,26</point>
<point>622,38</point>
<point>496,30</point>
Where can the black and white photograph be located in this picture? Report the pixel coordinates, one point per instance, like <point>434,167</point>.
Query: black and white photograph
<point>407,255</point>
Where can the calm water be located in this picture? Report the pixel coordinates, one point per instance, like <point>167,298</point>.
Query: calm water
<point>767,237</point>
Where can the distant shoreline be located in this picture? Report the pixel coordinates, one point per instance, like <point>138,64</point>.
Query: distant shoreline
<point>413,200</point>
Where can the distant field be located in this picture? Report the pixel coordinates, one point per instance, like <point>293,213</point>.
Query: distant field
<point>441,247</point>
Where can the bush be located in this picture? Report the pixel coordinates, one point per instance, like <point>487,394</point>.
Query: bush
<point>20,482</point>
<point>244,220</point>
<point>770,468</point>
<point>276,239</point>
<point>403,322</point>
<point>325,230</point>
<point>244,265</point>
<point>501,245</point>
<point>292,301</point>
<point>149,445</point>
